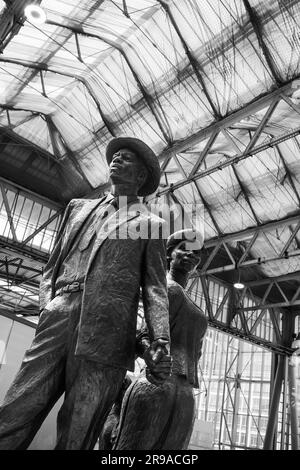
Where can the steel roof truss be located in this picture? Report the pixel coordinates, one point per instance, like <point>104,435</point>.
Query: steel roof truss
<point>248,248</point>
<point>288,174</point>
<point>262,124</point>
<point>211,133</point>
<point>204,283</point>
<point>206,206</point>
<point>40,228</point>
<point>8,211</point>
<point>205,152</point>
<point>234,312</point>
<point>258,320</point>
<point>273,316</point>
<point>222,304</point>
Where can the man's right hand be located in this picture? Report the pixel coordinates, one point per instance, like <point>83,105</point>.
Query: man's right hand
<point>158,361</point>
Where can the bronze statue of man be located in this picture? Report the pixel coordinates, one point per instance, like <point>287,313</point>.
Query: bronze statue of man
<point>89,294</point>
<point>160,415</point>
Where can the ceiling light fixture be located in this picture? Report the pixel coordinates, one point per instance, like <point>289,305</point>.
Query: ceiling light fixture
<point>238,284</point>
<point>35,14</point>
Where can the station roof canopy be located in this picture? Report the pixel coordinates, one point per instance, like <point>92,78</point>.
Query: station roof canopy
<point>213,87</point>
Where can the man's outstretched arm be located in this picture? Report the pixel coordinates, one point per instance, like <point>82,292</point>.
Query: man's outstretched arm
<point>156,304</point>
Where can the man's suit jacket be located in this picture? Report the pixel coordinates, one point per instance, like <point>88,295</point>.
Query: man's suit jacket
<point>116,270</point>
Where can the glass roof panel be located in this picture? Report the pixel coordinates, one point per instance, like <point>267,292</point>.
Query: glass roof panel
<point>280,32</point>
<point>27,216</point>
<point>77,118</point>
<point>58,6</point>
<point>202,22</point>
<point>34,101</point>
<point>93,162</point>
<point>31,41</point>
<point>152,89</point>
<point>63,10</point>
<point>143,126</point>
<point>36,131</point>
<point>234,76</point>
<point>115,84</point>
<point>10,119</point>
<point>110,20</point>
<point>92,49</point>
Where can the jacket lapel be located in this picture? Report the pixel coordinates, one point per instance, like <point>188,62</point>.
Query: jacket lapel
<point>112,224</point>
<point>77,219</point>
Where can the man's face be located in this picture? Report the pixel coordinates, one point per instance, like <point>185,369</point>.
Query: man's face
<point>125,167</point>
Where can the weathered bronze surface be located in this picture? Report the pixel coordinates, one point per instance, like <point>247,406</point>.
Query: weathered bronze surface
<point>161,416</point>
<point>85,339</point>
<point>110,428</point>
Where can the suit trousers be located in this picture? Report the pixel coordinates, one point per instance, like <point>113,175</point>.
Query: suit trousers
<point>48,370</point>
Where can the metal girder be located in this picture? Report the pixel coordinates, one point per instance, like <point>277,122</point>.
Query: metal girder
<point>13,263</point>
<point>269,286</point>
<point>227,121</point>
<point>263,124</point>
<point>225,313</point>
<point>241,264</point>
<point>288,174</point>
<point>18,263</point>
<point>291,103</point>
<point>54,134</point>
<point>4,312</point>
<point>245,194</point>
<point>44,67</point>
<point>227,399</point>
<point>147,97</point>
<point>23,121</point>
<point>206,206</point>
<point>96,4</point>
<point>16,296</point>
<point>232,160</point>
<point>28,193</point>
<point>195,65</point>
<point>12,19</point>
<point>205,151</point>
<point>52,137</point>
<point>18,248</point>
<point>28,143</point>
<point>205,291</point>
<point>248,232</point>
<point>8,108</point>
<point>294,233</point>
<point>8,212</point>
<point>28,283</point>
<point>185,143</point>
<point>257,27</point>
<point>40,228</point>
<point>250,235</point>
<point>210,133</point>
<point>279,388</point>
<point>15,270</point>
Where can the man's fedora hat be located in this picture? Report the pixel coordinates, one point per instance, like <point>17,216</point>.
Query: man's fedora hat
<point>144,152</point>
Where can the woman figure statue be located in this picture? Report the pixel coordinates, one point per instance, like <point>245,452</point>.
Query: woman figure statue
<point>158,412</point>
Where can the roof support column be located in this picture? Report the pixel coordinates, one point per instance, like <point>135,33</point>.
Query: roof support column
<point>288,320</point>
<point>292,374</point>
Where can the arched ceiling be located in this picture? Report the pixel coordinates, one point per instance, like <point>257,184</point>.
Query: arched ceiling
<point>212,87</point>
